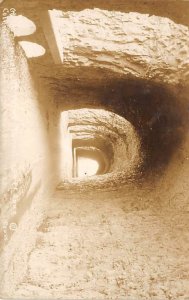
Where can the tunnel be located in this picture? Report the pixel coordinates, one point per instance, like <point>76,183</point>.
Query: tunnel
<point>89,161</point>
<point>94,150</point>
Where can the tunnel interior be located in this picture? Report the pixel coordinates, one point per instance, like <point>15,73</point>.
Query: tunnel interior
<point>105,136</point>
<point>94,158</point>
<point>156,112</point>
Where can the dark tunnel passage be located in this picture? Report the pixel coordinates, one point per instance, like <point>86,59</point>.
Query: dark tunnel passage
<point>157,112</point>
<point>157,115</point>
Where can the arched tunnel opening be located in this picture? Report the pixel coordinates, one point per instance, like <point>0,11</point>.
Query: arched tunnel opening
<point>153,111</point>
<point>106,136</point>
<point>89,162</point>
<point>88,158</point>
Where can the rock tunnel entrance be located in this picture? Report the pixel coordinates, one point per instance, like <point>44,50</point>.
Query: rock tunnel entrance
<point>99,143</point>
<point>137,130</point>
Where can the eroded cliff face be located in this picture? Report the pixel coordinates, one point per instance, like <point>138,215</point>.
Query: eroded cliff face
<point>121,88</point>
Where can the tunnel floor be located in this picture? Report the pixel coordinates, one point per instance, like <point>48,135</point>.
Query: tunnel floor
<point>93,246</point>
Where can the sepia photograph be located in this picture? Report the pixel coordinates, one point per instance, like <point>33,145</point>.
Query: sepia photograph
<point>94,149</point>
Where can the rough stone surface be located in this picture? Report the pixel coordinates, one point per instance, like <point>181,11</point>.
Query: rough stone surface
<point>118,245</point>
<point>25,159</point>
<point>142,45</point>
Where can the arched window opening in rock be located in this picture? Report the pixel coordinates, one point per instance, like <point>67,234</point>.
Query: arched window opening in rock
<point>88,161</point>
<point>86,166</point>
<point>32,49</point>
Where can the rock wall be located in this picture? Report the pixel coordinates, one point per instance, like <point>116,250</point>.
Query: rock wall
<point>29,121</point>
